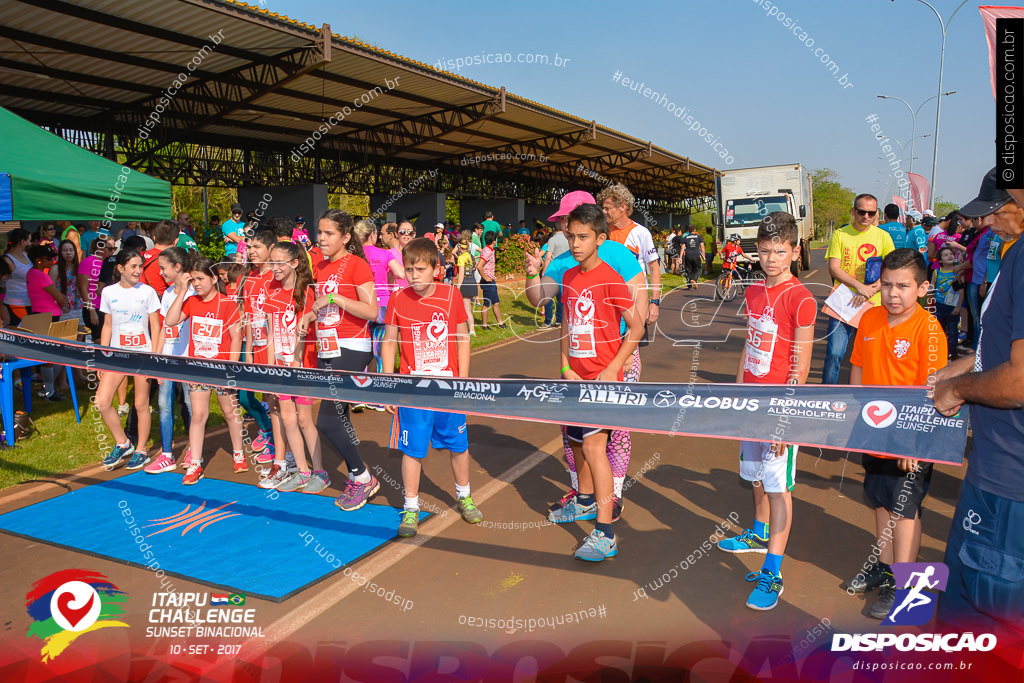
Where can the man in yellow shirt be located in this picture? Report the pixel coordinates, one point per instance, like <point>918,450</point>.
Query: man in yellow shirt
<point>848,252</point>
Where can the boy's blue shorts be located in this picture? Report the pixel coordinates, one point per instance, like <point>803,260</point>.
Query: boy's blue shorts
<point>414,430</point>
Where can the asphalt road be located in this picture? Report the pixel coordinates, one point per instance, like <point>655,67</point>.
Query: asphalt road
<point>667,601</point>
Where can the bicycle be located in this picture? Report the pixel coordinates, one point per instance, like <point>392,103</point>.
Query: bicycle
<point>732,282</point>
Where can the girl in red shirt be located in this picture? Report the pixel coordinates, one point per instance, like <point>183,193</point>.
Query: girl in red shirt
<point>254,325</point>
<point>344,303</point>
<point>286,300</point>
<point>214,334</point>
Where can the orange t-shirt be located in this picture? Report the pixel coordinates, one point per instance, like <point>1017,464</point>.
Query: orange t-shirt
<point>904,355</point>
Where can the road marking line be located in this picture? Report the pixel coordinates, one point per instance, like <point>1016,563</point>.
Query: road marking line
<point>342,586</point>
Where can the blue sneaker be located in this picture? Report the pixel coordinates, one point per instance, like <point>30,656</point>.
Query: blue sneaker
<point>137,461</point>
<point>573,512</point>
<point>117,455</point>
<point>746,542</point>
<point>767,591</point>
<point>597,547</point>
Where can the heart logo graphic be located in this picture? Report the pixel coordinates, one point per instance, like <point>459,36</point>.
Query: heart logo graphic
<point>362,380</point>
<point>584,307</point>
<point>879,414</point>
<point>73,615</point>
<point>75,606</point>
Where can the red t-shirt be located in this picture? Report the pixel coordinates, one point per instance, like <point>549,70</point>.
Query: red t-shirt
<point>341,278</point>
<point>730,252</point>
<point>773,314</point>
<point>283,317</point>
<point>594,302</point>
<point>254,296</point>
<point>151,271</point>
<point>208,326</point>
<point>426,325</point>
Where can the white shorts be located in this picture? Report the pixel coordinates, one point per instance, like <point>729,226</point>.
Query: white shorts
<point>776,473</point>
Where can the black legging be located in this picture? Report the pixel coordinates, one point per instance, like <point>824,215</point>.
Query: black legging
<point>694,267</point>
<point>333,420</point>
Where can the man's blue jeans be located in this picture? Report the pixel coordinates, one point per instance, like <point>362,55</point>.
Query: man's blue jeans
<point>839,335</point>
<point>974,305</point>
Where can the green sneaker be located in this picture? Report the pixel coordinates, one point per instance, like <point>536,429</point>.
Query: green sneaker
<point>469,511</point>
<point>410,523</point>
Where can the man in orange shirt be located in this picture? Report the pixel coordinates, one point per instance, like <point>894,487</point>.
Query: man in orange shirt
<point>897,344</point>
<point>617,202</point>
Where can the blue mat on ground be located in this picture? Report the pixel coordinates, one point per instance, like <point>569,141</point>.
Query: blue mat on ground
<point>220,533</point>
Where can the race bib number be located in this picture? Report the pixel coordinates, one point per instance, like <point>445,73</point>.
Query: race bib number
<point>259,332</point>
<point>430,346</point>
<point>172,333</point>
<point>327,342</point>
<point>761,335</point>
<point>206,335</point>
<point>133,340</point>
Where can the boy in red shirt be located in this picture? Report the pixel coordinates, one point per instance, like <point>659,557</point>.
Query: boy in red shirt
<point>780,332</point>
<point>429,320</point>
<point>897,344</point>
<point>596,299</point>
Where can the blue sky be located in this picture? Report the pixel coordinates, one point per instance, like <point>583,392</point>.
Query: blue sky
<point>746,77</point>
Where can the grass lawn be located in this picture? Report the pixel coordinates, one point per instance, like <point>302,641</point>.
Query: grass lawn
<point>62,445</point>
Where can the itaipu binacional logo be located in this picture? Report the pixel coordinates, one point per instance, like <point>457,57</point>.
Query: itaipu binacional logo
<point>69,603</point>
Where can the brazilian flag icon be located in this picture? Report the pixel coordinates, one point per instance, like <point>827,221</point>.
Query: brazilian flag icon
<point>237,599</point>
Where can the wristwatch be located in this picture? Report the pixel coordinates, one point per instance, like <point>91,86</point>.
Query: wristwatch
<point>656,302</point>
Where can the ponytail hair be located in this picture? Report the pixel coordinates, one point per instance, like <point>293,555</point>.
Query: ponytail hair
<point>343,222</point>
<point>303,275</point>
<point>178,257</point>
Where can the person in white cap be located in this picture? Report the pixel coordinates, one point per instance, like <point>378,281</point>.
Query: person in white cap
<point>542,288</point>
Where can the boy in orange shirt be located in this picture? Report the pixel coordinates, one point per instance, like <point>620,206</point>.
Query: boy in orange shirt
<point>897,344</point>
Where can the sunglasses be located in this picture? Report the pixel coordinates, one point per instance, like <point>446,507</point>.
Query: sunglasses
<point>862,212</point>
<point>405,232</point>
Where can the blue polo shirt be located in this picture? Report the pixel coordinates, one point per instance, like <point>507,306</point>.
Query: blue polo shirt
<point>615,254</point>
<point>996,461</point>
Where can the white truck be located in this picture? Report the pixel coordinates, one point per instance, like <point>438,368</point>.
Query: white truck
<point>746,195</point>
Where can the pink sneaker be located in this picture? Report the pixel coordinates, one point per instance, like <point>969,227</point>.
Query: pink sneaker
<point>262,441</point>
<point>268,454</point>
<point>165,463</point>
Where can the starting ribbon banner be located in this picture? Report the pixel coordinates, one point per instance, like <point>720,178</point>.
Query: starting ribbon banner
<point>888,421</point>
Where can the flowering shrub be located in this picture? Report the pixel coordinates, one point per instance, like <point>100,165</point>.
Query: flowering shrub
<point>510,256</point>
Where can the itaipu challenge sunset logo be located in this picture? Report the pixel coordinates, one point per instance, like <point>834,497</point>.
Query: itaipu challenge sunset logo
<point>70,603</point>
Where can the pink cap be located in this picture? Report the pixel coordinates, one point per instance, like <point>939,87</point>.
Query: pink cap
<point>570,201</point>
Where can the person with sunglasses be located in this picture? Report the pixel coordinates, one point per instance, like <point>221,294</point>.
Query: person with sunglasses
<point>406,233</point>
<point>849,250</point>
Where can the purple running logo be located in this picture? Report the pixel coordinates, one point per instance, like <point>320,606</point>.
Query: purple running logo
<point>915,600</point>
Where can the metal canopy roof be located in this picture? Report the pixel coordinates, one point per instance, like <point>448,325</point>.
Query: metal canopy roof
<point>261,84</point>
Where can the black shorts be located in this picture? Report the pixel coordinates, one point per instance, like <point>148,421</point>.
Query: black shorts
<point>468,289</point>
<point>887,486</point>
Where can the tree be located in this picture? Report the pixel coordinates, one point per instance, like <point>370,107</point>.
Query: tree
<point>943,208</point>
<point>832,201</point>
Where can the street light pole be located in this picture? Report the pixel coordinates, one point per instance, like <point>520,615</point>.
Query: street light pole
<point>938,103</point>
<point>913,122</point>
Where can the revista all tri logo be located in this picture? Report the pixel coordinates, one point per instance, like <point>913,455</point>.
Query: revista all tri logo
<point>917,587</point>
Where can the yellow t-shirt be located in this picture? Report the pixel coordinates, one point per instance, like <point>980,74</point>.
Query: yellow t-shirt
<point>853,248</point>
<point>466,261</point>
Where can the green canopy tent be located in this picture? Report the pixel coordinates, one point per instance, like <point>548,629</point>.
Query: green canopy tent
<point>44,177</point>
